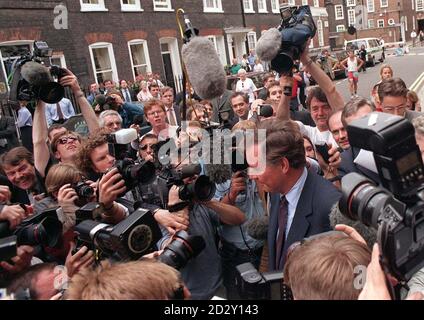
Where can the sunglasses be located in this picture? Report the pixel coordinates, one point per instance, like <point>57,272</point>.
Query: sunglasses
<point>144,148</point>
<point>65,140</point>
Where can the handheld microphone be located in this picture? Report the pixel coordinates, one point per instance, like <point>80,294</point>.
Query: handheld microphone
<point>257,228</point>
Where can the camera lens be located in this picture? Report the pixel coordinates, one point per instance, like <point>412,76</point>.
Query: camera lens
<point>140,239</point>
<point>362,199</point>
<point>202,189</point>
<point>48,233</point>
<point>83,190</point>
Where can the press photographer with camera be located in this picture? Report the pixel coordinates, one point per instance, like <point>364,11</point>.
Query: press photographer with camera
<point>126,110</point>
<point>204,216</point>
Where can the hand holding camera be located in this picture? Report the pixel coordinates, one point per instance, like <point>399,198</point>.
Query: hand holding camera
<point>111,186</point>
<point>14,214</point>
<point>83,258</point>
<point>5,194</point>
<point>21,261</point>
<point>66,195</point>
<point>238,185</point>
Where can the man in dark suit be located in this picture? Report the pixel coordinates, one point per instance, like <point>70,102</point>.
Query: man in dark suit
<point>222,104</point>
<point>300,200</point>
<point>173,113</point>
<point>128,93</point>
<point>8,138</point>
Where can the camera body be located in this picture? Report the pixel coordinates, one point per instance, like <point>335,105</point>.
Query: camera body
<point>397,210</point>
<point>128,240</point>
<point>83,190</point>
<point>297,26</point>
<point>252,284</point>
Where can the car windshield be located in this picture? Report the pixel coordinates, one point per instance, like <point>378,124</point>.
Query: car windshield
<point>357,44</point>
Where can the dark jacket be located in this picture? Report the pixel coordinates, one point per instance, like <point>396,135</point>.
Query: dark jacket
<point>8,132</point>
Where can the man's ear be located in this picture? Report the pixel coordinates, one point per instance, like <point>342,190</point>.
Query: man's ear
<point>285,165</point>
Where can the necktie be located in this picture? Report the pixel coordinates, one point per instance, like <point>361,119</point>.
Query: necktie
<point>127,96</point>
<point>171,117</point>
<point>59,112</point>
<point>282,223</point>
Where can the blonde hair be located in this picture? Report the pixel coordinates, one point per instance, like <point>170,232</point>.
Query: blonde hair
<point>135,280</point>
<point>61,174</point>
<point>244,125</point>
<point>324,268</point>
<point>385,66</point>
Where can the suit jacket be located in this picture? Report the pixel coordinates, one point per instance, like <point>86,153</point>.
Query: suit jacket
<point>177,110</point>
<point>179,98</point>
<point>311,215</point>
<point>222,104</point>
<point>302,116</point>
<point>8,132</point>
<point>347,166</point>
<point>133,95</point>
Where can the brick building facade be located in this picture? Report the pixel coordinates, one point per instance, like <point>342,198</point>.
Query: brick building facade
<point>119,39</point>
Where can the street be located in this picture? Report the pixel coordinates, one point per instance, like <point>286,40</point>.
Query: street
<point>408,67</point>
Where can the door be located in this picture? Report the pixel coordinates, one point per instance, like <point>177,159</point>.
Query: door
<point>167,65</point>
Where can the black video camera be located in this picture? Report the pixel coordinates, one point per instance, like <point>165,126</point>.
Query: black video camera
<point>128,240</point>
<point>43,228</point>
<point>182,248</point>
<point>297,26</point>
<point>253,285</point>
<point>396,210</point>
<point>32,80</point>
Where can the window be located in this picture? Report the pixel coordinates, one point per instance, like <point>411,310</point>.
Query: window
<point>351,3</point>
<point>162,5</point>
<point>371,23</point>
<point>291,2</point>
<point>316,3</point>
<point>103,62</point>
<point>251,39</point>
<point>262,6</point>
<point>351,17</point>
<point>384,3</point>
<point>212,6</point>
<point>339,12</point>
<point>340,28</point>
<point>10,52</point>
<point>131,5</point>
<point>380,23</point>
<point>218,42</point>
<point>370,5</point>
<point>419,5</point>
<point>248,6</point>
<point>275,6</point>
<point>58,60</point>
<point>93,5</point>
<point>304,2</point>
<point>139,55</point>
<point>320,30</point>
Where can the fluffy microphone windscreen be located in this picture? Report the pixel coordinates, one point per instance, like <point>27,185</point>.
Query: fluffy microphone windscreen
<point>204,69</point>
<point>35,73</point>
<point>269,44</point>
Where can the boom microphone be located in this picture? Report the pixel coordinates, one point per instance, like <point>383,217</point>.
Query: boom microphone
<point>204,69</point>
<point>269,44</point>
<point>257,228</point>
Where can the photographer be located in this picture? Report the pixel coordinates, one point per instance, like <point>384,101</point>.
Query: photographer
<point>204,218</point>
<point>126,110</point>
<point>40,132</point>
<point>327,63</point>
<point>94,160</point>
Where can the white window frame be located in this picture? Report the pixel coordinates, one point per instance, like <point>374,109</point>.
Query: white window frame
<point>168,8</point>
<point>316,3</point>
<point>304,2</point>
<point>405,21</point>
<point>351,16</point>
<point>370,5</point>
<point>291,2</point>
<point>335,12</point>
<point>264,9</point>
<point>350,3</point>
<point>109,46</point>
<point>90,7</point>
<point>146,54</point>
<point>131,7</point>
<point>249,10</point>
<point>219,44</point>
<point>419,5</point>
<point>320,31</point>
<point>384,5</point>
<point>62,59</point>
<point>369,24</point>
<point>340,28</point>
<point>275,6</point>
<point>378,25</point>
<point>216,9</point>
<point>252,33</point>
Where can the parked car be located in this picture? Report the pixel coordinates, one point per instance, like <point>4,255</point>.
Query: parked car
<point>375,51</point>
